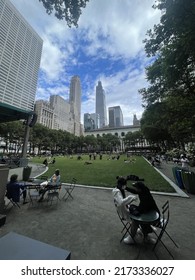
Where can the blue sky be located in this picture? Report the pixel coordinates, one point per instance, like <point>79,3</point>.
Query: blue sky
<point>107,46</point>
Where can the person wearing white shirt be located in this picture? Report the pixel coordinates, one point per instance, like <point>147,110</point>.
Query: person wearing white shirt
<point>184,163</point>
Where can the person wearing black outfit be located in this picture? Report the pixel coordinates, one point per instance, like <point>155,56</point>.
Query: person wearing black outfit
<point>147,203</point>
<point>14,189</point>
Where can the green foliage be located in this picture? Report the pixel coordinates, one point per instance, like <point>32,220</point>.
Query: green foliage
<point>154,124</point>
<point>70,10</point>
<point>57,141</point>
<point>172,43</point>
<point>171,74</point>
<point>132,138</point>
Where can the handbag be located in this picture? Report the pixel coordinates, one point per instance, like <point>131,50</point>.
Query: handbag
<point>134,210</point>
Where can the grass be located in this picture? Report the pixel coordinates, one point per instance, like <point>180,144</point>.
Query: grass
<point>103,172</point>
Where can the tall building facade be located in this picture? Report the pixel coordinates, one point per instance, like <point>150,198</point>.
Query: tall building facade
<point>58,113</point>
<point>75,103</point>
<point>45,113</point>
<point>96,118</point>
<point>20,55</point>
<point>88,122</point>
<point>115,116</point>
<point>135,120</point>
<point>61,119</point>
<point>91,121</point>
<point>101,104</point>
<point>75,97</point>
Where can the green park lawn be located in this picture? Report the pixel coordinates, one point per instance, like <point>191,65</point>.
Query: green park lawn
<point>103,172</point>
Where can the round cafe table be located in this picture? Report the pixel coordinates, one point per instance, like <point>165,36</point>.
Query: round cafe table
<point>146,218</point>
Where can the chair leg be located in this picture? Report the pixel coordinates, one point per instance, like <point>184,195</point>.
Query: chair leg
<point>51,198</point>
<point>13,203</point>
<point>172,239</point>
<point>67,194</point>
<point>127,228</point>
<point>126,231</point>
<point>159,240</point>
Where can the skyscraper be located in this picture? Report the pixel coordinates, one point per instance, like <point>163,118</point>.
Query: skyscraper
<point>91,121</point>
<point>101,104</point>
<point>96,119</point>
<point>135,120</point>
<point>75,103</point>
<point>115,116</point>
<point>62,114</point>
<point>88,122</point>
<point>75,98</point>
<point>20,54</point>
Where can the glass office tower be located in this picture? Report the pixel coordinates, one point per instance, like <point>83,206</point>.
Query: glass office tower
<point>101,105</point>
<point>115,116</point>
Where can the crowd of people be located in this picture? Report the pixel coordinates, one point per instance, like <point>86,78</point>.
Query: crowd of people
<point>182,160</point>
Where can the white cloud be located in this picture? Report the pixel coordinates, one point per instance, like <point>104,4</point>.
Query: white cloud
<point>122,23</point>
<point>107,29</point>
<point>51,61</point>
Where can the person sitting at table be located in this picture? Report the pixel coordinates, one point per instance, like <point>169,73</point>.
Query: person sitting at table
<point>13,189</point>
<point>123,203</point>
<point>120,198</point>
<point>147,203</point>
<point>53,182</point>
<point>55,178</point>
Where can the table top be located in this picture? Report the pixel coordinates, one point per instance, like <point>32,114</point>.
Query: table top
<point>146,218</point>
<point>19,247</point>
<point>36,181</point>
<point>34,184</point>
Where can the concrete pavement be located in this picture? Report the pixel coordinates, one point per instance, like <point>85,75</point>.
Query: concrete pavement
<point>89,227</point>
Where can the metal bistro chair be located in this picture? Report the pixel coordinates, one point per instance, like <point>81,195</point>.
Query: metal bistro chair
<point>162,225</point>
<point>34,195</point>
<point>14,203</point>
<point>69,189</point>
<point>53,194</point>
<point>12,200</point>
<point>126,224</point>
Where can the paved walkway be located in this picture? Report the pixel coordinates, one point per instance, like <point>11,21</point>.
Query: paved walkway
<point>88,226</point>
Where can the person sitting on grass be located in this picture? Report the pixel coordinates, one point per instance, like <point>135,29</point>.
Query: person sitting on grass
<point>14,188</point>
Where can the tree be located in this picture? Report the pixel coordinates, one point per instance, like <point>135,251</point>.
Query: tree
<point>38,137</point>
<point>172,44</point>
<point>171,74</point>
<point>155,123</point>
<point>70,10</point>
<point>91,143</point>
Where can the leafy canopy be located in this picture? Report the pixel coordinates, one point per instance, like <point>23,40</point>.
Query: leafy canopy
<point>70,10</point>
<point>172,44</point>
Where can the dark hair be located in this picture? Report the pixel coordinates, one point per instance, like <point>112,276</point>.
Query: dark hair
<point>57,172</point>
<point>121,181</point>
<point>13,177</point>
